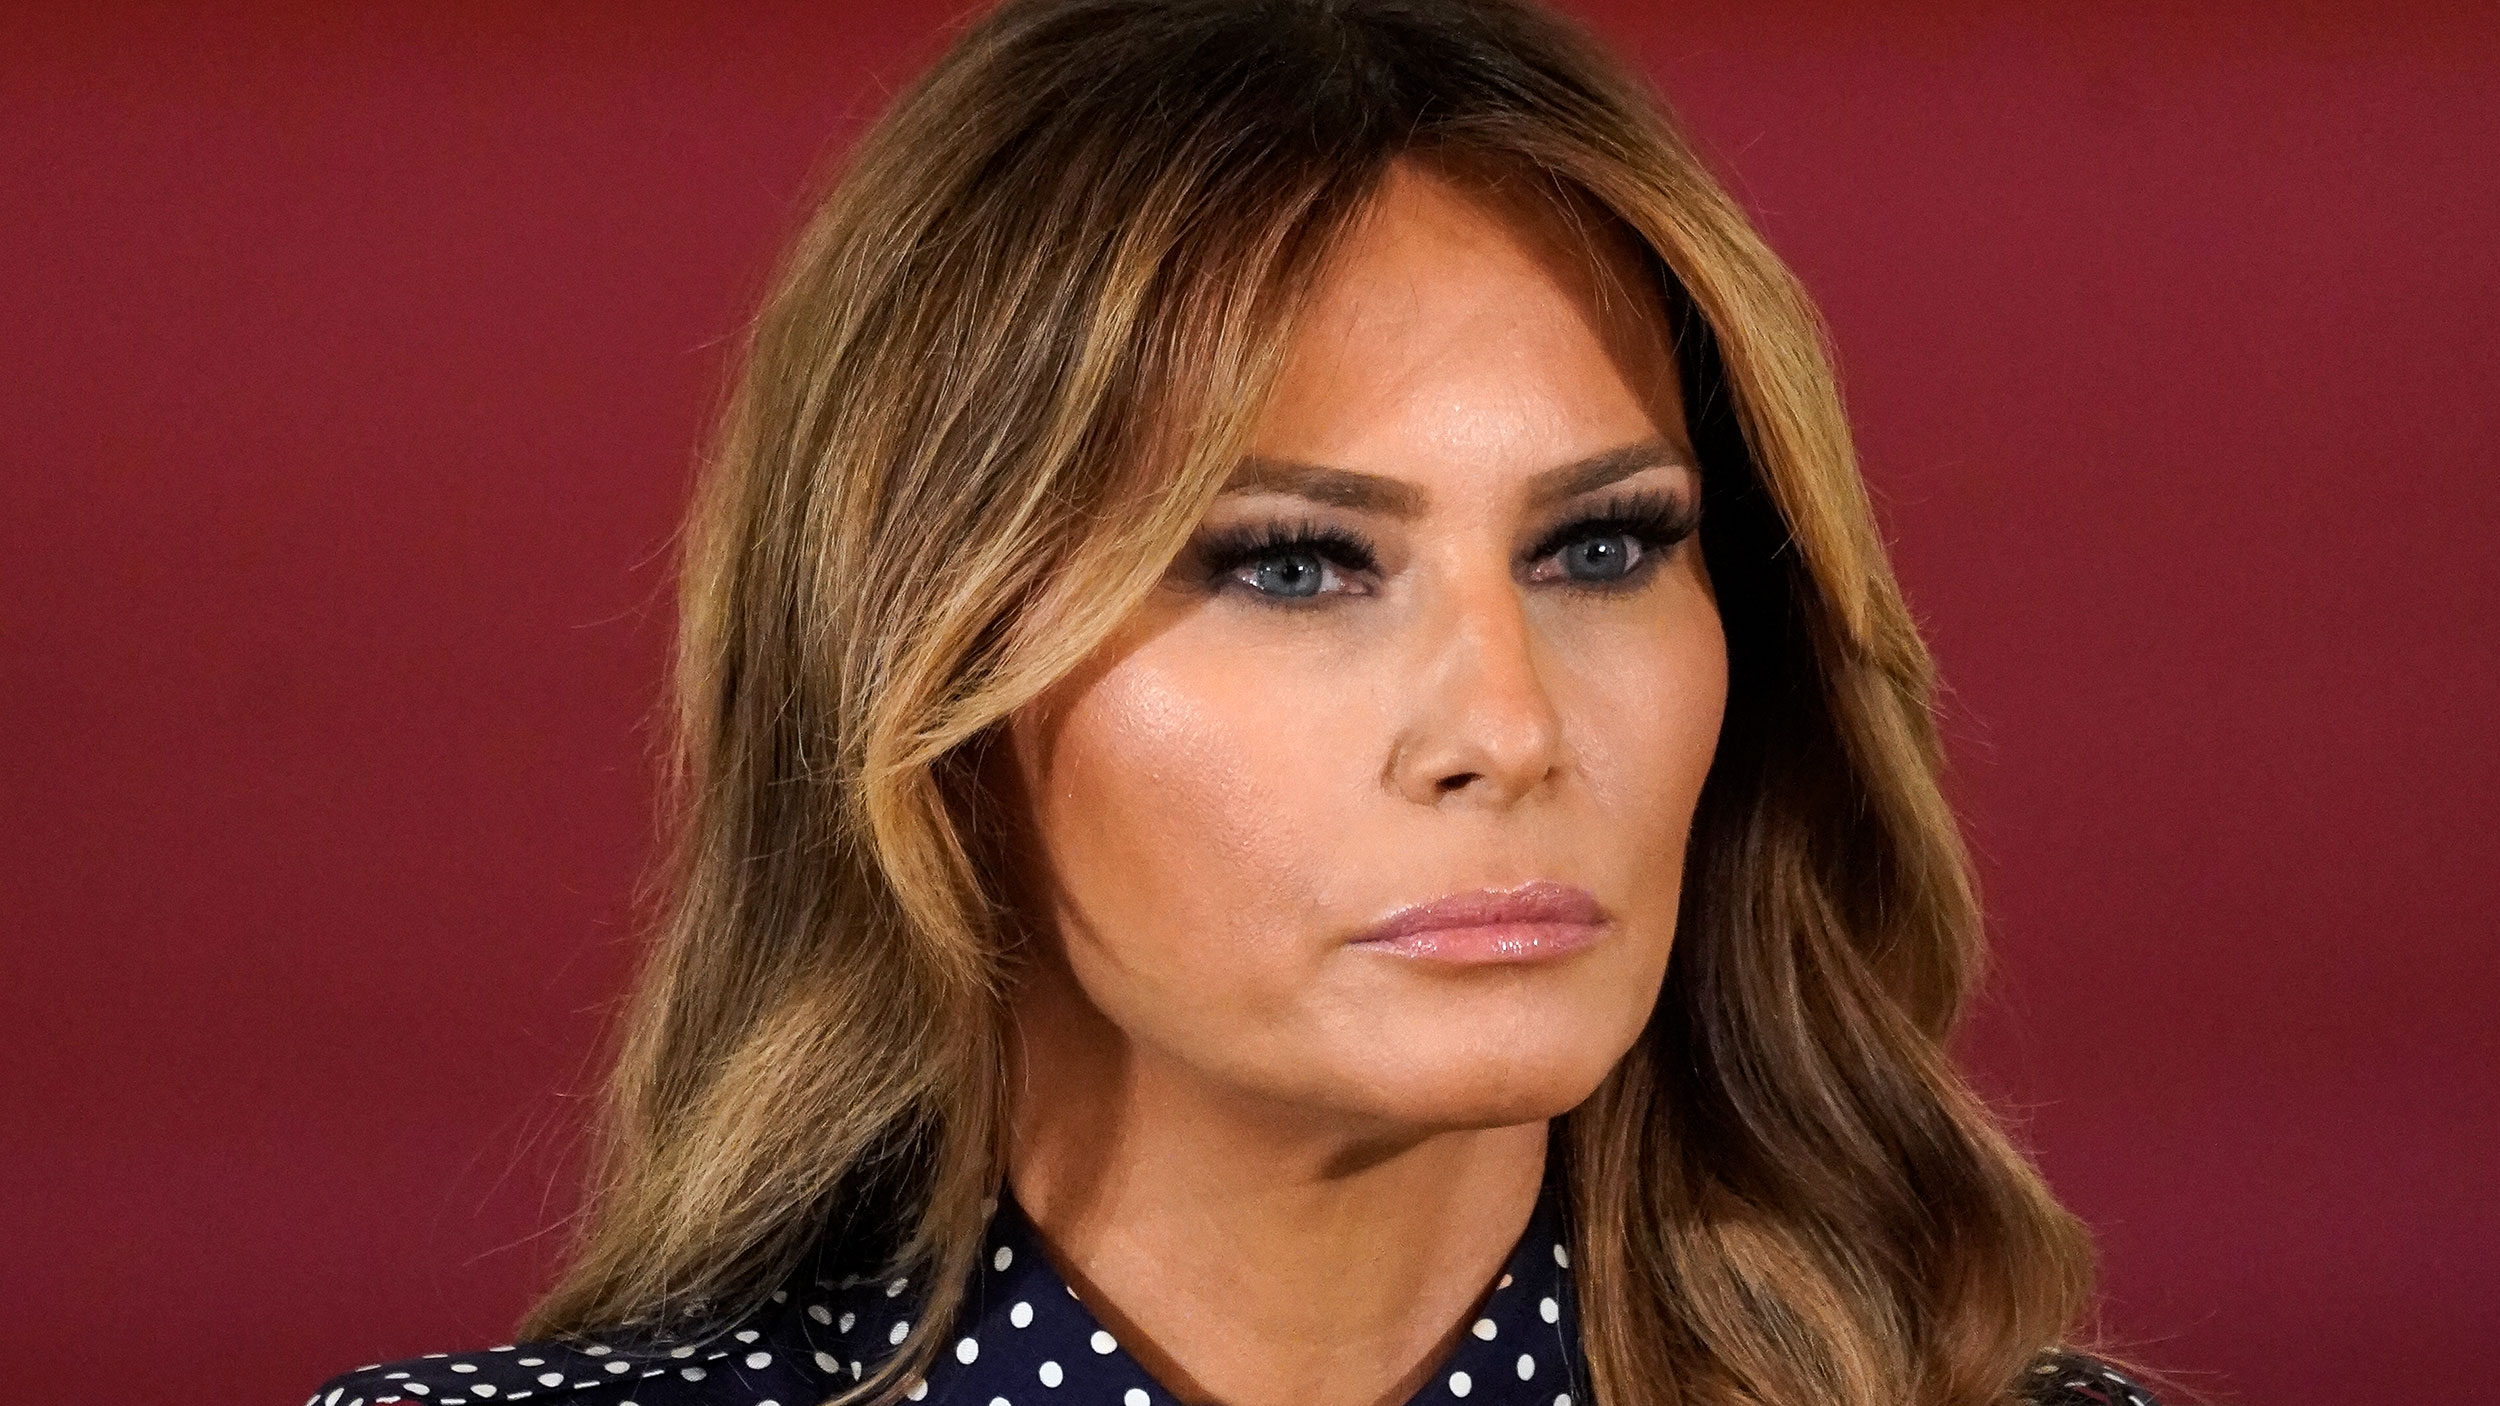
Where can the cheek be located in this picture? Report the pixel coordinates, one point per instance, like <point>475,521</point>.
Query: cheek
<point>1180,816</point>
<point>1643,696</point>
<point>1648,725</point>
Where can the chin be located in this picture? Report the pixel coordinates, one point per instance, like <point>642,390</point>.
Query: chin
<point>1480,1085</point>
<point>1493,1049</point>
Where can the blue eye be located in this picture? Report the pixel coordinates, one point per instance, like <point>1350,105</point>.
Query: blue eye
<point>1288,574</point>
<point>1293,558</point>
<point>1601,559</point>
<point>1650,522</point>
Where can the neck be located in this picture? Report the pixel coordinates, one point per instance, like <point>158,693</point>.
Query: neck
<point>1248,1252</point>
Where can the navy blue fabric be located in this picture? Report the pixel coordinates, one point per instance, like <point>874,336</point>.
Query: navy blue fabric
<point>1024,1339</point>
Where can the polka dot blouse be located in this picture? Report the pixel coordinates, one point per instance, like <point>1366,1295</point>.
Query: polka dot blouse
<point>1024,1338</point>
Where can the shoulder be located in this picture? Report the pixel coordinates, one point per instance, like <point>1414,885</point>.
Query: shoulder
<point>549,1373</point>
<point>574,1374</point>
<point>2066,1377</point>
<point>762,1359</point>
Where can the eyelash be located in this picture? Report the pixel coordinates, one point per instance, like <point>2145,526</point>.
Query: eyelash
<point>1655,519</point>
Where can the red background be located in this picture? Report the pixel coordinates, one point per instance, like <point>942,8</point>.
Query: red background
<point>352,368</point>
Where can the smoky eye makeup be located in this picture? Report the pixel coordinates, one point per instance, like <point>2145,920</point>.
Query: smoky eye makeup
<point>1223,551</point>
<point>1657,519</point>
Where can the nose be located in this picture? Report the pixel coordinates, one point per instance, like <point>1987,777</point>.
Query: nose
<point>1481,724</point>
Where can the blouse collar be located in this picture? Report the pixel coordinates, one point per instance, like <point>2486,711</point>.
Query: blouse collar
<point>1026,1338</point>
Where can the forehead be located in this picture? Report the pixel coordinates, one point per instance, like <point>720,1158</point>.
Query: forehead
<point>1465,306</point>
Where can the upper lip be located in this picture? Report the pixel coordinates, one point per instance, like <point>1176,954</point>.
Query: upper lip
<point>1537,901</point>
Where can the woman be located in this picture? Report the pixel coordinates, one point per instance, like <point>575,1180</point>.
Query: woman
<point>1303,781</point>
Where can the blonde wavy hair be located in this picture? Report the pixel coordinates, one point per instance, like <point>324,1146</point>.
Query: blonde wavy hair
<point>997,380</point>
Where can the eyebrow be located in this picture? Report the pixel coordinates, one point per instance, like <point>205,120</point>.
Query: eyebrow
<point>1400,499</point>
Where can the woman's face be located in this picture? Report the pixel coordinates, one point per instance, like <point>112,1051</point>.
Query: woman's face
<point>1501,663</point>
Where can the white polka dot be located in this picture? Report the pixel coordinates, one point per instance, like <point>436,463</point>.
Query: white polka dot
<point>820,1313</point>
<point>825,1362</point>
<point>1459,1384</point>
<point>854,1369</point>
<point>902,1330</point>
<point>1548,1310</point>
<point>335,1393</point>
<point>759,1359</point>
<point>845,1325</point>
<point>685,1351</point>
<point>1104,1342</point>
<point>1563,1400</point>
<point>781,1296</point>
<point>1527,1366</point>
<point>749,1335</point>
<point>1484,1329</point>
<point>897,1286</point>
<point>1003,1258</point>
<point>1504,1284</point>
<point>692,1374</point>
<point>541,1361</point>
<point>1134,1396</point>
<point>620,1366</point>
<point>918,1390</point>
<point>1051,1375</point>
<point>1021,1315</point>
<point>421,1388</point>
<point>967,1350</point>
<point>464,1366</point>
<point>482,1389</point>
<point>998,1401</point>
<point>767,1403</point>
<point>551,1379</point>
<point>1562,1258</point>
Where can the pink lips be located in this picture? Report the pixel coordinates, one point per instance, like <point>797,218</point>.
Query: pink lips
<point>1536,920</point>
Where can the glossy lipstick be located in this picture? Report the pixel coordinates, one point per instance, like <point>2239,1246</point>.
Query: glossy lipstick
<point>1535,921</point>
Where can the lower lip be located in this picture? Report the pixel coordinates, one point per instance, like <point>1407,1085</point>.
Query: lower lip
<point>1491,942</point>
